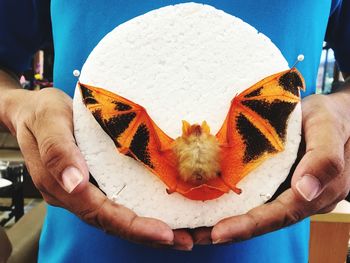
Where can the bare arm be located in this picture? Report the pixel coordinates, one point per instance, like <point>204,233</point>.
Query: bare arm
<point>8,82</point>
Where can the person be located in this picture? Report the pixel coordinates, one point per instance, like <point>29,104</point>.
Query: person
<point>82,225</point>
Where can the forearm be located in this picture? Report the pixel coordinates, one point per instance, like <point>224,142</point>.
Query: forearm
<point>345,89</point>
<point>8,82</point>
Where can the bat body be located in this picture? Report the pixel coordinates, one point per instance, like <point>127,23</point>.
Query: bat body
<point>197,164</point>
<point>198,154</point>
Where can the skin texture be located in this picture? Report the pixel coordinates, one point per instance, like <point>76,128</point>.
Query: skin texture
<point>34,117</point>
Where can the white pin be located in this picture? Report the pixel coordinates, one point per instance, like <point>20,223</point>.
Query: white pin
<point>76,73</point>
<point>265,197</point>
<point>299,59</point>
<point>115,195</point>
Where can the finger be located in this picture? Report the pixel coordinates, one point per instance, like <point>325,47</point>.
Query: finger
<point>328,209</point>
<point>182,240</point>
<point>286,210</point>
<point>283,211</point>
<point>53,130</point>
<point>96,209</point>
<point>29,149</point>
<point>202,236</point>
<point>324,157</point>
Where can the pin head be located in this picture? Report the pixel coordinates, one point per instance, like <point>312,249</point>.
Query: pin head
<point>300,57</point>
<point>76,73</point>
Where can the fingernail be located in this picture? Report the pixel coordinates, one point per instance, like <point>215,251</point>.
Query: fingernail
<point>309,187</point>
<point>203,241</point>
<point>183,247</point>
<point>221,241</point>
<point>71,177</point>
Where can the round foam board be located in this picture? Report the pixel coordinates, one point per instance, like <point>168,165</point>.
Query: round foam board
<point>180,62</point>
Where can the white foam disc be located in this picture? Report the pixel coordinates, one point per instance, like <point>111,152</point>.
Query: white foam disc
<point>180,62</point>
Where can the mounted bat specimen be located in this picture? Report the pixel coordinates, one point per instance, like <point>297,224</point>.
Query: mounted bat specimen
<point>198,164</point>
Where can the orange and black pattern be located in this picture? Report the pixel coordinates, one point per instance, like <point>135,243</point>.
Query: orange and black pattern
<point>256,125</point>
<point>254,129</point>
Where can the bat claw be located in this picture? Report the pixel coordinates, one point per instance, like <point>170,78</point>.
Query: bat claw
<point>237,190</point>
<point>170,191</point>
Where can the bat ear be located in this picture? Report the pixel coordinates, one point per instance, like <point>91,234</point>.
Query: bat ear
<point>186,128</point>
<point>205,127</point>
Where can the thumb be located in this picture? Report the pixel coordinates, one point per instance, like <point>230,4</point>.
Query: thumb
<point>59,153</point>
<point>323,160</point>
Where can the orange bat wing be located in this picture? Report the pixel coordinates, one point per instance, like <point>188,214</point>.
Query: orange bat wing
<point>255,127</point>
<point>136,135</point>
<point>132,131</point>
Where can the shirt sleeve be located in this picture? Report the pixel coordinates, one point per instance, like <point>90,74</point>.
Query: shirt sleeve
<point>25,27</point>
<point>338,33</point>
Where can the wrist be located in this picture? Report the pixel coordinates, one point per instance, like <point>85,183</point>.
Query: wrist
<point>8,82</point>
<point>343,94</point>
<point>10,102</point>
<point>344,88</point>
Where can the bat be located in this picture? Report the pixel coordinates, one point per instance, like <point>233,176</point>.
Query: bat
<point>198,164</point>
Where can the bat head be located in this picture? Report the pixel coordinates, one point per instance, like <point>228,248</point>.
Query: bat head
<point>194,129</point>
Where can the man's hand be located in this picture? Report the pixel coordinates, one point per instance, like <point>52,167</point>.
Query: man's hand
<point>320,181</point>
<point>42,122</point>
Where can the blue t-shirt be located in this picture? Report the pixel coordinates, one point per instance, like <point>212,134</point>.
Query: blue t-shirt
<point>295,26</point>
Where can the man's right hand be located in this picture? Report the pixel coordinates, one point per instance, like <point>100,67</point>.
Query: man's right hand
<point>42,123</point>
